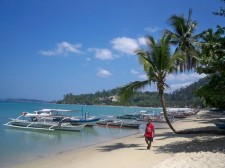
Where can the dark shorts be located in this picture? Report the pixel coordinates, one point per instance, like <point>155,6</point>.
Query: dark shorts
<point>149,139</point>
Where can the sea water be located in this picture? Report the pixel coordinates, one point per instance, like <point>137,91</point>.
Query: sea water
<point>18,145</point>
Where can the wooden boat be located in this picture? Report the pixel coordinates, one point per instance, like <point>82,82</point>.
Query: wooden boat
<point>220,125</point>
<point>118,123</point>
<point>128,116</point>
<point>43,123</point>
<point>154,117</point>
<point>182,112</point>
<point>135,115</point>
<point>59,115</point>
<point>87,120</point>
<point>179,115</point>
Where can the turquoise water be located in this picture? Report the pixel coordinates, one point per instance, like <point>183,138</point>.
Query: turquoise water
<point>18,145</point>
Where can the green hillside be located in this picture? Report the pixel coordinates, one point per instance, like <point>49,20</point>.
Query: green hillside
<point>184,97</point>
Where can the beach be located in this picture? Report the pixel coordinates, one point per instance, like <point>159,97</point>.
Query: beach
<point>168,149</point>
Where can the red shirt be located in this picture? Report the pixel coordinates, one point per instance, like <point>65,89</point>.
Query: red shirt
<point>149,130</point>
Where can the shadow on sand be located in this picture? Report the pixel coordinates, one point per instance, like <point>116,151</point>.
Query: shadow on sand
<point>198,144</point>
<point>108,148</point>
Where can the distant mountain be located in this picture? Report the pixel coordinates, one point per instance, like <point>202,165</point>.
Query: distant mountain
<point>22,100</point>
<point>187,95</point>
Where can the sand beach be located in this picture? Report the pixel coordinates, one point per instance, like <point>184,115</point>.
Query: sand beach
<point>168,149</point>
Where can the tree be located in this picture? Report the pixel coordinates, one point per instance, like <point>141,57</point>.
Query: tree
<point>212,51</point>
<point>183,39</point>
<point>157,63</point>
<point>213,92</point>
<point>212,63</point>
<point>221,12</point>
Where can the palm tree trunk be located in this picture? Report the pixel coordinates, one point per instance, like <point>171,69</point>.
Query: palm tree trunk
<point>188,131</point>
<point>161,95</point>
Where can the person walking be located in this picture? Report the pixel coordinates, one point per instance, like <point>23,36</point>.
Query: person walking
<point>149,133</point>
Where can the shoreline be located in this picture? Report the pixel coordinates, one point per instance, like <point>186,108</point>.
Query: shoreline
<point>168,150</point>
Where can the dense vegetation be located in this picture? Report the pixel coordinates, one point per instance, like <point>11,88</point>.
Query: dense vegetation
<point>180,98</point>
<point>213,61</point>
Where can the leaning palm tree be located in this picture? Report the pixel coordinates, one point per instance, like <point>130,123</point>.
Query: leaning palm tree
<point>183,38</point>
<point>157,63</point>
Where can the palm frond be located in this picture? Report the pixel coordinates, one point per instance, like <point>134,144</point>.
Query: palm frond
<point>158,62</point>
<point>144,60</point>
<point>184,40</point>
<point>127,91</point>
<point>145,57</point>
<point>178,24</point>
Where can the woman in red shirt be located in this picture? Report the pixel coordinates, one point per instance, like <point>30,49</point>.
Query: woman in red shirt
<point>149,133</point>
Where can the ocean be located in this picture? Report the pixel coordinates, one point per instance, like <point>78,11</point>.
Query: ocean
<point>19,145</point>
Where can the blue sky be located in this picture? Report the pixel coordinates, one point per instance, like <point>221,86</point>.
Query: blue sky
<point>49,48</point>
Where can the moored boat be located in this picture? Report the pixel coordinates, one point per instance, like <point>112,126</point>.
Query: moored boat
<point>119,123</point>
<point>42,123</point>
<point>59,115</point>
<point>220,125</point>
<point>128,116</point>
<point>84,119</point>
<point>135,115</point>
<point>154,117</point>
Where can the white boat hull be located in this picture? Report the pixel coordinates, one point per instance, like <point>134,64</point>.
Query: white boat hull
<point>43,125</point>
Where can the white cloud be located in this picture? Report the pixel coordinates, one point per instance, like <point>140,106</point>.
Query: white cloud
<point>103,73</point>
<point>47,53</point>
<point>185,77</point>
<point>142,41</point>
<point>62,48</point>
<point>151,29</point>
<point>125,45</point>
<point>179,85</point>
<point>102,54</point>
<point>176,81</point>
<point>134,72</point>
<point>143,77</point>
<point>197,76</point>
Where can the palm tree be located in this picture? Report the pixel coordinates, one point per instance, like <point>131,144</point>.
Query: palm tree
<point>182,37</point>
<point>158,63</point>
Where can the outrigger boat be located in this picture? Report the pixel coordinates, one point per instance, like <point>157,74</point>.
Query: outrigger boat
<point>88,120</point>
<point>58,115</point>
<point>118,123</point>
<point>42,123</point>
<point>154,117</point>
<point>220,123</point>
<point>134,116</point>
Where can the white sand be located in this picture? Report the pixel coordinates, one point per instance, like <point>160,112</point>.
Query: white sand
<point>194,160</point>
<point>168,150</point>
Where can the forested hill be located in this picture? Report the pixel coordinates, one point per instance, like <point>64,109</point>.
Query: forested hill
<point>179,98</point>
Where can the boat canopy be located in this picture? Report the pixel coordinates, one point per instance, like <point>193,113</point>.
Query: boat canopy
<point>55,110</point>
